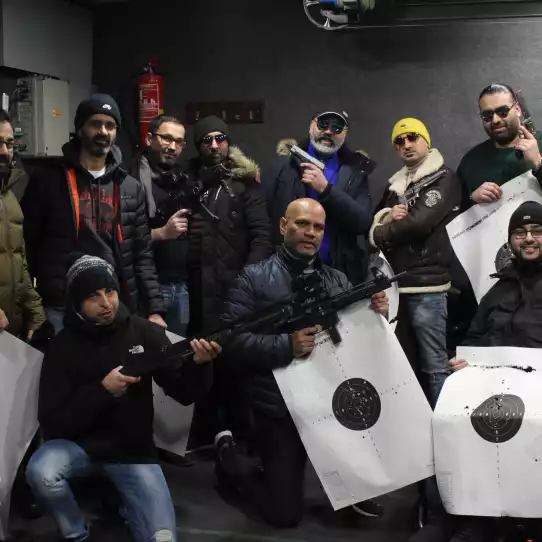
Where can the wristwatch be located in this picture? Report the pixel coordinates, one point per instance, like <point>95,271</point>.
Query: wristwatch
<point>538,168</point>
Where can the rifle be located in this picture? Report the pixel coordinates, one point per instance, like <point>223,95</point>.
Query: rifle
<point>190,194</point>
<point>285,317</point>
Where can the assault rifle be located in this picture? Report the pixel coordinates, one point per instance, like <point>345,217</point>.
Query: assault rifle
<point>284,317</point>
<point>190,194</point>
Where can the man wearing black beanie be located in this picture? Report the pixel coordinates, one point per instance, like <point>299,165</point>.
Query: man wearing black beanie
<point>88,204</point>
<point>230,230</point>
<point>509,315</point>
<point>95,418</point>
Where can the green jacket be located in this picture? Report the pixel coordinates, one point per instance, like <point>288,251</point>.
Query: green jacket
<point>18,298</point>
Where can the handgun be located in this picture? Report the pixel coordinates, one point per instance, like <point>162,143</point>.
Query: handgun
<point>305,157</point>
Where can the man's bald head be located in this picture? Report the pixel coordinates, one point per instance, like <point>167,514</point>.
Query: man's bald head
<point>302,227</point>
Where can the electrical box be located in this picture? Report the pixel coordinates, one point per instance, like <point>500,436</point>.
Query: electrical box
<point>42,122</point>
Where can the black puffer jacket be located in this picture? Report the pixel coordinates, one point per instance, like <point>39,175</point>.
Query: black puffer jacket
<point>241,236</point>
<point>347,204</point>
<point>257,354</point>
<point>419,243</point>
<point>52,232</point>
<point>510,314</point>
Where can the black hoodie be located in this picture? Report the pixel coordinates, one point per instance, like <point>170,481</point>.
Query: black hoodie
<point>55,226</point>
<point>74,405</point>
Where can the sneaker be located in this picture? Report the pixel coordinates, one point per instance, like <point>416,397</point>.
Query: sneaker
<point>369,509</point>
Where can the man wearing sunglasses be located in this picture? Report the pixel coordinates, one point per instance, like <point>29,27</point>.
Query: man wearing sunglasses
<point>230,232</point>
<point>342,188</point>
<point>410,228</point>
<point>510,150</point>
<point>87,203</point>
<point>158,168</point>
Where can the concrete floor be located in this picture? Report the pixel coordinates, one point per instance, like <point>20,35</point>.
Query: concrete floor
<point>204,516</point>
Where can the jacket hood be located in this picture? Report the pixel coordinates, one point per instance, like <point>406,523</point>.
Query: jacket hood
<point>347,155</point>
<point>241,166</point>
<point>401,180</point>
<point>15,176</point>
<point>71,156</point>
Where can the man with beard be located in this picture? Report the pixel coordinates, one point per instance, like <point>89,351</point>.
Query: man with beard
<point>21,312</point>
<point>509,314</point>
<point>96,409</point>
<point>486,167</point>
<point>229,228</point>
<point>342,189</point>
<point>88,204</point>
<point>157,167</point>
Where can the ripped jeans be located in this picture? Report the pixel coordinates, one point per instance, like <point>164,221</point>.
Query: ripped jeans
<point>143,489</point>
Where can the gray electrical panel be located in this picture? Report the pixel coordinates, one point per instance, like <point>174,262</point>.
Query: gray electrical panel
<point>42,121</point>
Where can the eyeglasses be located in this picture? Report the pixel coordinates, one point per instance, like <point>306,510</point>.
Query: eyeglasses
<point>208,139</point>
<point>502,112</point>
<point>402,139</point>
<point>168,140</point>
<point>521,233</point>
<point>324,124</point>
<point>98,124</point>
<point>10,144</point>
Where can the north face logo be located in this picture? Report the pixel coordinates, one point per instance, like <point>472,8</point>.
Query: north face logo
<point>527,218</point>
<point>137,350</point>
<point>107,106</point>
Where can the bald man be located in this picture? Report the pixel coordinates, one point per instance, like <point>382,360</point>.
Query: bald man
<point>278,493</point>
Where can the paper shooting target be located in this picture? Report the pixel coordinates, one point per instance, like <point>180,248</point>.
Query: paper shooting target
<point>356,404</point>
<point>498,419</point>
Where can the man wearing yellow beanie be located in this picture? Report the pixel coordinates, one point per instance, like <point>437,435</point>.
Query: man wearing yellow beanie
<point>410,228</point>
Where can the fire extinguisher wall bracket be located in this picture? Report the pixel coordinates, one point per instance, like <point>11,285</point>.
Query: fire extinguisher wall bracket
<point>151,99</point>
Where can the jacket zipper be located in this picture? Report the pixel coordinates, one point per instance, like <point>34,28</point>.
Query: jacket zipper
<point>8,246</point>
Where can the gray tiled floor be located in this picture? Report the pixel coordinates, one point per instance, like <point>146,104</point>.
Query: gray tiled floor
<point>203,516</point>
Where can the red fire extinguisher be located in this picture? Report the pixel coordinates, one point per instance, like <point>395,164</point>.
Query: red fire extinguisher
<point>151,98</point>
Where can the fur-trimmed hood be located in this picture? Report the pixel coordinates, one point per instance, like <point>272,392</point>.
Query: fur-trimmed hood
<point>242,167</point>
<point>346,155</point>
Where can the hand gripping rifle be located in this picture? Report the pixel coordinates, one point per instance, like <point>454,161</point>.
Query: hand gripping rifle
<point>284,317</point>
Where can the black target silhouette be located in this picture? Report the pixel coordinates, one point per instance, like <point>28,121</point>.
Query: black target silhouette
<point>498,419</point>
<point>356,404</point>
<point>504,257</point>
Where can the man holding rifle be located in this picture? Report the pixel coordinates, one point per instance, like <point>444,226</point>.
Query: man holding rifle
<point>96,405</point>
<point>294,272</point>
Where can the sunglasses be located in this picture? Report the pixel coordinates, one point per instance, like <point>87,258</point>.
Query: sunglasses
<point>208,139</point>
<point>521,233</point>
<point>402,139</point>
<point>502,112</point>
<point>98,124</point>
<point>168,140</point>
<point>336,126</point>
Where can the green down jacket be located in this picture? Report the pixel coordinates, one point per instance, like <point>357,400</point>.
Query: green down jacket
<point>18,298</point>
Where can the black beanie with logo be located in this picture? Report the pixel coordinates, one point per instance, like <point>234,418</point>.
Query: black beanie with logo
<point>97,104</point>
<point>529,212</point>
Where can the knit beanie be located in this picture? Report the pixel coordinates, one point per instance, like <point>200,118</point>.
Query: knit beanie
<point>207,125</point>
<point>86,276</point>
<point>529,212</point>
<point>97,104</point>
<point>410,126</point>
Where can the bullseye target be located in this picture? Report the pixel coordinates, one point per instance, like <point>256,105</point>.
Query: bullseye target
<point>498,419</point>
<point>356,404</point>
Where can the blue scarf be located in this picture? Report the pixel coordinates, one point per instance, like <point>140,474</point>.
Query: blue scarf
<point>331,173</point>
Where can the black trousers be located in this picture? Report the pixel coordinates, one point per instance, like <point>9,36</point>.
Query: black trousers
<point>278,492</point>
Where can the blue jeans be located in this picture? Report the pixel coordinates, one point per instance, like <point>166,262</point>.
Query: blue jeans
<point>428,314</point>
<point>55,315</point>
<point>143,489</point>
<point>177,307</point>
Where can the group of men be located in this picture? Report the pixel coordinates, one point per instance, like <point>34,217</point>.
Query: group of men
<point>119,254</point>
